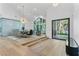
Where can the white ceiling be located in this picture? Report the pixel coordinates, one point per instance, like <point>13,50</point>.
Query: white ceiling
<point>31,10</point>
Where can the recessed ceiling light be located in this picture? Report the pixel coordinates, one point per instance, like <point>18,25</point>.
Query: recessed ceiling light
<point>55,4</point>
<point>35,9</point>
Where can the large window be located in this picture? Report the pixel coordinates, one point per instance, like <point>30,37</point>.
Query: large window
<point>60,28</point>
<point>40,26</point>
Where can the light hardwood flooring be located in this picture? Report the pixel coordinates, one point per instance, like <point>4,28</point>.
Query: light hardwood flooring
<point>49,47</point>
<point>12,48</point>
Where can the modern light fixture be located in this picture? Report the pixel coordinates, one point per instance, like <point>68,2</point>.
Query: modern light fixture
<point>23,20</point>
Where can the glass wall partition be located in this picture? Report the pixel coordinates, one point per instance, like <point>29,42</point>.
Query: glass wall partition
<point>9,26</point>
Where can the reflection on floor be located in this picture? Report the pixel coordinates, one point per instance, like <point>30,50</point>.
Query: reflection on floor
<point>40,46</point>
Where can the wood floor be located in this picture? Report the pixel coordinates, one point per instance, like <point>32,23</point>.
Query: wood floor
<point>50,47</point>
<point>40,47</point>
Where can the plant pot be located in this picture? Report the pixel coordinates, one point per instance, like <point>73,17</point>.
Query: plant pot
<point>72,51</point>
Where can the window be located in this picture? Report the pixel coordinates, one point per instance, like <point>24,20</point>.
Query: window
<point>60,28</point>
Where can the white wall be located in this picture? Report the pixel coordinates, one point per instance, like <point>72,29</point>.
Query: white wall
<point>7,12</point>
<point>59,12</point>
<point>76,23</point>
